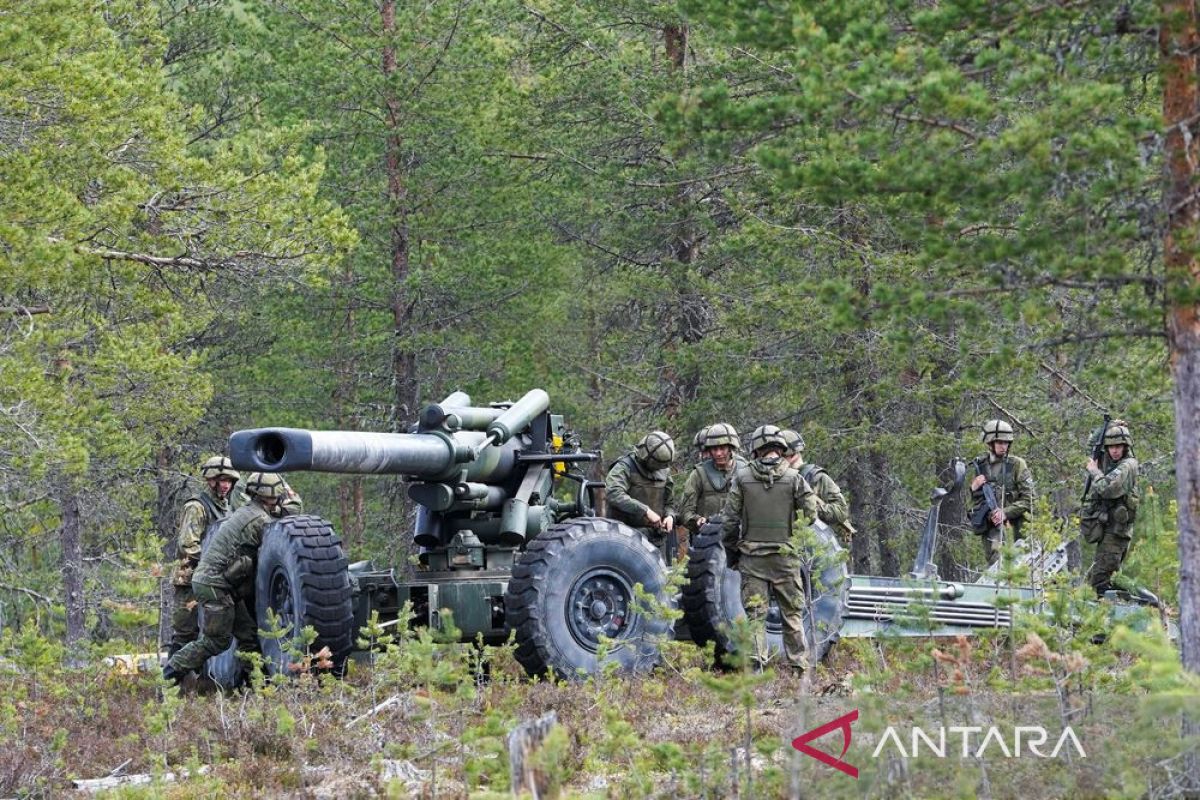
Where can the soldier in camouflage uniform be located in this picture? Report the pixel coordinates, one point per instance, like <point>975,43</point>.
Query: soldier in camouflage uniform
<point>832,507</point>
<point>767,500</point>
<point>1110,506</point>
<point>224,578</point>
<point>199,512</point>
<point>698,443</point>
<point>639,489</point>
<point>1012,483</point>
<point>707,484</point>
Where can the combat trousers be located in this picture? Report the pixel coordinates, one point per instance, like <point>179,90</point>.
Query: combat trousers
<point>185,625</point>
<point>225,616</point>
<point>1110,553</point>
<point>993,540</point>
<point>781,577</point>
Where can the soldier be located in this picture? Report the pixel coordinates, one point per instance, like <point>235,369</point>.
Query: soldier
<point>832,508</point>
<point>224,578</point>
<point>199,512</point>
<point>767,499</point>
<point>1110,505</point>
<point>698,443</point>
<point>639,489</point>
<point>1012,487</point>
<point>707,484</point>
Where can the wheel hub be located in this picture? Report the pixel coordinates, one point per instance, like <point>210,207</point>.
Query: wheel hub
<point>598,606</point>
<point>282,602</point>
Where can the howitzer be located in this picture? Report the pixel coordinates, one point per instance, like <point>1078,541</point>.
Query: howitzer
<point>507,534</point>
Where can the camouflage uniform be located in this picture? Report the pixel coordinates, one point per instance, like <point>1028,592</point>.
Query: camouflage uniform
<point>1012,483</point>
<point>705,490</point>
<point>198,513</point>
<point>767,499</point>
<point>832,507</point>
<point>1110,510</point>
<point>707,485</point>
<point>224,579</point>
<point>638,483</point>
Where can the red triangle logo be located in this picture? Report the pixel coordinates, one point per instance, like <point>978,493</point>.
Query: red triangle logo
<point>841,723</point>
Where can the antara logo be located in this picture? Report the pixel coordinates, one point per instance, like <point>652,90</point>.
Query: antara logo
<point>1033,737</point>
<point>842,723</point>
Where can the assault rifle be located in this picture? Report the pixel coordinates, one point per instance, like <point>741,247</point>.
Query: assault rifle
<point>1097,456</point>
<point>979,518</point>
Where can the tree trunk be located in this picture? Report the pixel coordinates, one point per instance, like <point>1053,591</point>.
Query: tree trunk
<point>950,529</point>
<point>166,507</point>
<point>71,541</point>
<point>403,359</point>
<point>690,313</point>
<point>860,543</point>
<point>404,364</point>
<point>1178,40</point>
<point>884,507</point>
<point>345,394</point>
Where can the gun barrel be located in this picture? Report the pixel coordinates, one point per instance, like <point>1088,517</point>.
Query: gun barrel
<point>519,415</point>
<point>289,449</point>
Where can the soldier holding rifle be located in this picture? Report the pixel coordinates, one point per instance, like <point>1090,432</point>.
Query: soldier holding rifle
<point>1002,490</point>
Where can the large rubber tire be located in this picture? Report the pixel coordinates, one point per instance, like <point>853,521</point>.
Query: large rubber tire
<point>225,669</point>
<point>712,597</point>
<point>572,585</point>
<point>303,577</point>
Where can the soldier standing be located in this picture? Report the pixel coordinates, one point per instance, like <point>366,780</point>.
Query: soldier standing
<point>708,482</point>
<point>1110,505</point>
<point>1011,484</point>
<point>639,489</point>
<point>832,507</point>
<point>224,578</point>
<point>199,512</point>
<point>767,499</point>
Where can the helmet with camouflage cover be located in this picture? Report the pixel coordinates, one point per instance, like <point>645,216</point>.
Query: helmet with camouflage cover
<point>719,434</point>
<point>1118,434</point>
<point>656,450</point>
<point>698,439</point>
<point>266,485</point>
<point>795,442</point>
<point>767,436</point>
<point>997,430</point>
<point>219,467</point>
<point>1094,437</point>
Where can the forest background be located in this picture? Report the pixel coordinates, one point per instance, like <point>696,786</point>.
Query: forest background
<point>877,223</point>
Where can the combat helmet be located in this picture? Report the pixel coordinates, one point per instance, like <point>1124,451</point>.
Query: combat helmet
<point>765,435</point>
<point>1118,434</point>
<point>997,430</point>
<point>267,485</point>
<point>795,442</point>
<point>719,434</point>
<point>656,450</point>
<point>1094,437</point>
<point>698,439</point>
<point>218,467</point>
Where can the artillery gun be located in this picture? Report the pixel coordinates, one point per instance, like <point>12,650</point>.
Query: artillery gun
<point>509,540</point>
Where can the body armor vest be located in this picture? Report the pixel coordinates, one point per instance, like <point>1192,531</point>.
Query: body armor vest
<point>714,488</point>
<point>215,512</point>
<point>645,489</point>
<point>768,510</point>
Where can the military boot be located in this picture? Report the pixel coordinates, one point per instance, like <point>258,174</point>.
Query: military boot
<point>171,675</point>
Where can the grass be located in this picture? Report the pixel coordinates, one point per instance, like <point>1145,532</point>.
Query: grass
<point>674,733</point>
